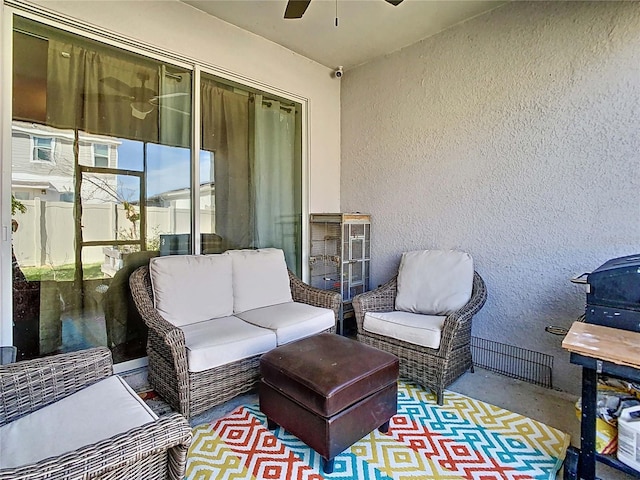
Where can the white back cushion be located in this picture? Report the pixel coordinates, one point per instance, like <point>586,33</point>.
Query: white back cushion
<point>192,288</point>
<point>260,279</point>
<point>434,282</point>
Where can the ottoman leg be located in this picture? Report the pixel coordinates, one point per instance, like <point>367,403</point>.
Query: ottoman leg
<point>384,428</point>
<point>271,425</point>
<point>327,465</point>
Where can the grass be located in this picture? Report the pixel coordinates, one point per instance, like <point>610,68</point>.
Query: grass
<point>62,272</point>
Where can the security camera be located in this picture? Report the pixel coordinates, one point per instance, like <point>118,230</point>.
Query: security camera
<point>338,72</point>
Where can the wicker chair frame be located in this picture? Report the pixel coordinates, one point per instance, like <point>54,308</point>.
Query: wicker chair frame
<point>154,450</point>
<point>432,368</point>
<point>192,393</point>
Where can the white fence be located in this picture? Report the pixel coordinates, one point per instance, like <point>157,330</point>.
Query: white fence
<point>46,231</point>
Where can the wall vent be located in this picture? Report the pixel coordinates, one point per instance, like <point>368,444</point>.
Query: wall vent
<point>515,362</point>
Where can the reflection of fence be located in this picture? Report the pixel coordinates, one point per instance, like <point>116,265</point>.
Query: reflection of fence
<point>45,234</point>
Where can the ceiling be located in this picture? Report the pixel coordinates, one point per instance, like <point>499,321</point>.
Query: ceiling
<point>366,28</point>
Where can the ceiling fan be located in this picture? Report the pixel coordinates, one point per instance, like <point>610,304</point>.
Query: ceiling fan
<point>143,100</point>
<point>296,8</point>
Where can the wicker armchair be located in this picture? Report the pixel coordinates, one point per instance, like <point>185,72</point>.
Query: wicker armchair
<point>154,450</point>
<point>432,368</point>
<point>192,393</point>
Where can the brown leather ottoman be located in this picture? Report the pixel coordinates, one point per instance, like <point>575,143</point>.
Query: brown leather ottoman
<point>329,391</point>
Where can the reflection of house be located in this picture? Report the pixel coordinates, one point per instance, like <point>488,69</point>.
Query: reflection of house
<point>181,197</point>
<point>43,164</point>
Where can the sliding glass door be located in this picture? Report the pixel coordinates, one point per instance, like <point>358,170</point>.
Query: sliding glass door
<point>101,177</point>
<point>253,161</point>
<point>104,177</point>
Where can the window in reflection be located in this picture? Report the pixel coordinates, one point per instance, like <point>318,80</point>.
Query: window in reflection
<point>100,176</point>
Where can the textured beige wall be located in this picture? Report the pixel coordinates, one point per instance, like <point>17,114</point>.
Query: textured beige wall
<point>514,136</point>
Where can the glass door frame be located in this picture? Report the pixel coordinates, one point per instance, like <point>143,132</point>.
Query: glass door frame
<point>11,8</point>
<point>6,80</point>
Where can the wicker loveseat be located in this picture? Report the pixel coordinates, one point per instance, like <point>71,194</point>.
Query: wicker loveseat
<point>211,317</point>
<point>434,348</point>
<point>66,416</point>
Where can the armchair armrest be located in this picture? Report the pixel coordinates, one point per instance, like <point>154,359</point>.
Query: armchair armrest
<point>381,299</point>
<point>142,293</point>
<point>32,384</point>
<point>118,453</point>
<point>303,293</point>
<point>457,326</point>
<point>165,345</point>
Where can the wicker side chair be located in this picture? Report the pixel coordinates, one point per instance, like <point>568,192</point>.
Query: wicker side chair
<point>432,368</point>
<point>155,450</point>
<point>192,393</point>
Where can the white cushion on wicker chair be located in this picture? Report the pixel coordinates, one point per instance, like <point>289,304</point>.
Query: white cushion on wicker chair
<point>291,321</point>
<point>260,278</point>
<point>192,288</point>
<point>434,282</point>
<point>416,328</point>
<point>70,423</point>
<point>224,340</point>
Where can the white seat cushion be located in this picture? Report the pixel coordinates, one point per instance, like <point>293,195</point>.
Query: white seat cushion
<point>434,282</point>
<point>292,320</point>
<point>416,328</point>
<point>96,413</point>
<point>192,288</point>
<point>224,340</point>
<point>260,278</point>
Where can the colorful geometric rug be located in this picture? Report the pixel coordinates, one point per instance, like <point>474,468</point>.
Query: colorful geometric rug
<point>155,402</point>
<point>463,439</point>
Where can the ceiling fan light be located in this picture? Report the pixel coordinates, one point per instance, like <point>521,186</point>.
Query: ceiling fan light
<point>140,110</point>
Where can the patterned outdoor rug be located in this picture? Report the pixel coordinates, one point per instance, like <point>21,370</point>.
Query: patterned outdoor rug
<point>463,439</point>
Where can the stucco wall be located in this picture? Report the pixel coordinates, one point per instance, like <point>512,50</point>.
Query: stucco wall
<point>514,136</point>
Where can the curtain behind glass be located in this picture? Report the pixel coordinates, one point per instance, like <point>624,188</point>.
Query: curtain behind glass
<point>273,179</point>
<point>65,81</point>
<point>174,107</point>
<point>225,131</point>
<point>93,91</point>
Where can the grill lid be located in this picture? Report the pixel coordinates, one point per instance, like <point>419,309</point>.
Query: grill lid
<point>616,283</point>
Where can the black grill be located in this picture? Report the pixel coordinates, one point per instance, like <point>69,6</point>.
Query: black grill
<point>613,294</point>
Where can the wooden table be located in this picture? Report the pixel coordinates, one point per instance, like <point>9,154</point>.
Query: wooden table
<point>599,350</point>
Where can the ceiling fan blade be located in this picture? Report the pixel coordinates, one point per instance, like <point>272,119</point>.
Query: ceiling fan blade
<point>138,93</point>
<point>119,85</point>
<point>162,102</point>
<point>395,3</point>
<point>105,97</point>
<point>169,95</point>
<point>296,8</point>
<point>177,110</point>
